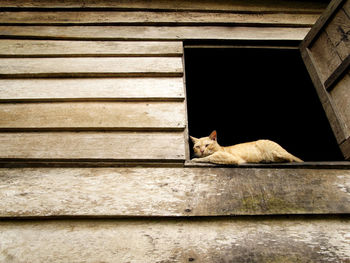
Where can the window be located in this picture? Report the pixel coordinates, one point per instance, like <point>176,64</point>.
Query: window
<point>257,93</point>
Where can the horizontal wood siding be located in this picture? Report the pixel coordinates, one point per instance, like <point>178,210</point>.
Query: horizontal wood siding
<point>117,146</point>
<point>118,192</point>
<point>133,111</point>
<point>154,18</point>
<point>153,33</point>
<point>85,84</point>
<point>259,6</point>
<point>93,115</point>
<point>63,67</point>
<point>115,66</point>
<point>52,48</point>
<point>179,240</point>
<point>92,89</point>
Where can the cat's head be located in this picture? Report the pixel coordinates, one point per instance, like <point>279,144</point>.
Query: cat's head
<point>205,146</point>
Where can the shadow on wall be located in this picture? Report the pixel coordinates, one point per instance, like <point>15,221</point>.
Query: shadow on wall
<point>249,94</point>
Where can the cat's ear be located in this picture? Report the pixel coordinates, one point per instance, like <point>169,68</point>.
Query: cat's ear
<point>194,140</point>
<point>213,136</point>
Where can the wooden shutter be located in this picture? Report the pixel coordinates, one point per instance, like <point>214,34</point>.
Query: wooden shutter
<point>326,53</point>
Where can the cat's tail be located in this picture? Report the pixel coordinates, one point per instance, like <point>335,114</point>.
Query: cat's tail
<point>291,158</point>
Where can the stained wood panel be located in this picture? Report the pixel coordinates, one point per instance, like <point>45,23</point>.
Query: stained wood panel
<point>46,67</point>
<point>153,32</point>
<point>219,5</point>
<point>93,115</point>
<point>52,48</point>
<point>118,192</point>
<point>177,240</point>
<point>163,89</point>
<point>154,18</point>
<point>117,146</point>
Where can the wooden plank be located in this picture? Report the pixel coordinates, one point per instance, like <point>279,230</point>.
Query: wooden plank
<point>177,240</point>
<point>153,32</point>
<point>325,56</point>
<point>100,146</point>
<point>93,115</point>
<point>51,48</point>
<point>222,240</point>
<point>91,89</point>
<point>154,18</point>
<point>118,192</point>
<point>61,67</point>
<point>204,5</point>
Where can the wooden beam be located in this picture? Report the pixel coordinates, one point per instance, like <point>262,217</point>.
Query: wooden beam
<point>66,67</point>
<point>99,146</point>
<point>93,115</point>
<point>154,18</point>
<point>92,89</point>
<point>177,240</point>
<point>52,48</point>
<point>153,32</point>
<point>123,192</point>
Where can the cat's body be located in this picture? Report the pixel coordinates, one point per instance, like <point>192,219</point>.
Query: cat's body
<point>208,150</point>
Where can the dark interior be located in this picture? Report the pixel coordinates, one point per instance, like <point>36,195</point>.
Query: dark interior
<point>247,94</point>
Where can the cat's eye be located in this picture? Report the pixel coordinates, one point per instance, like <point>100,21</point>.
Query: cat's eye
<point>206,145</point>
<point>197,147</point>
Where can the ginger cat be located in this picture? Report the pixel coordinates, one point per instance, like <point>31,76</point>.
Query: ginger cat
<point>207,149</point>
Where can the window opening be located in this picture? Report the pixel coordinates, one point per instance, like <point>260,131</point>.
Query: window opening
<point>247,94</point>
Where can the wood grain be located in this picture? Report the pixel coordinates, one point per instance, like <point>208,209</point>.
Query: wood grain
<point>325,56</point>
<point>338,30</point>
<point>118,192</point>
<point>341,97</point>
<point>100,146</point>
<point>93,115</point>
<point>91,89</point>
<point>176,240</point>
<point>46,67</point>
<point>52,48</point>
<point>205,5</point>
<point>154,18</point>
<point>153,32</point>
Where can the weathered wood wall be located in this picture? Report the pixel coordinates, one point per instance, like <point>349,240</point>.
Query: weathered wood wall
<point>101,83</point>
<point>81,75</point>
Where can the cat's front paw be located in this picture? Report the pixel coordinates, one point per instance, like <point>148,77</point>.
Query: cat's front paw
<point>196,160</point>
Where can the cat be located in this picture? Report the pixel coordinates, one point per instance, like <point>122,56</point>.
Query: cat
<point>207,149</point>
